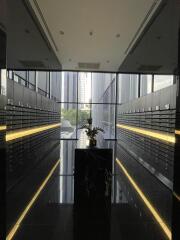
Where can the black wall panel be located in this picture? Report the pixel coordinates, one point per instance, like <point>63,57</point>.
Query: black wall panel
<point>27,157</point>
<point>3,164</point>
<point>150,161</point>
<point>154,112</point>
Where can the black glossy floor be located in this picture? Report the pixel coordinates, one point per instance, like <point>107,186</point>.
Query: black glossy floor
<point>52,216</point>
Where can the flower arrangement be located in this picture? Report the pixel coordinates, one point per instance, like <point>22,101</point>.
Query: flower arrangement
<point>91,132</point>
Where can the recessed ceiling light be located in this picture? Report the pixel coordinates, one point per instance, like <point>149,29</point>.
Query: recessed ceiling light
<point>27,31</point>
<point>61,32</point>
<point>158,37</point>
<point>117,35</point>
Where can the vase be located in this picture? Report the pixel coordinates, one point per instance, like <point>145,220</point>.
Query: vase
<point>92,143</point>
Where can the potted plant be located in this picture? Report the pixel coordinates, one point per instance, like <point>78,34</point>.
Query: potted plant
<point>91,132</point>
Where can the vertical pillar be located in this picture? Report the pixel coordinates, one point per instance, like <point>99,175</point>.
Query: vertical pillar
<point>176,180</point>
<point>3,99</point>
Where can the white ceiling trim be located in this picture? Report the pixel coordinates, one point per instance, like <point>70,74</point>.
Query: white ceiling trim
<point>42,21</point>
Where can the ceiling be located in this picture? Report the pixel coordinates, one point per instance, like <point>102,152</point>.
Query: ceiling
<point>94,34</point>
<point>27,45</point>
<point>156,50</point>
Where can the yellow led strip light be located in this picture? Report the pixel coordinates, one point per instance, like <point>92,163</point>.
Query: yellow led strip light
<point>2,128</point>
<point>28,207</point>
<point>26,132</point>
<point>177,196</point>
<point>154,134</point>
<point>154,212</point>
<point>177,132</point>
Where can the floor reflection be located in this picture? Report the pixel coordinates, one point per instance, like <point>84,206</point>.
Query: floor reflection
<point>53,215</point>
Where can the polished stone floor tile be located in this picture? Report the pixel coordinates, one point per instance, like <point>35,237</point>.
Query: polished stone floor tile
<point>54,217</point>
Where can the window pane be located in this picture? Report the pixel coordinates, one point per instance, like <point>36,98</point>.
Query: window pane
<point>21,74</point>
<point>103,88</point>
<point>53,77</point>
<point>47,84</point>
<point>32,79</point>
<point>41,79</point>
<point>58,86</point>
<point>10,74</point>
<point>69,87</point>
<point>103,116</point>
<point>16,79</point>
<point>123,88</point>
<point>133,86</point>
<point>83,113</point>
<point>20,77</point>
<point>43,83</point>
<point>3,82</point>
<point>84,87</point>
<point>68,120</point>
<point>127,87</point>
<point>67,167</point>
<point>145,84</point>
<point>162,81</point>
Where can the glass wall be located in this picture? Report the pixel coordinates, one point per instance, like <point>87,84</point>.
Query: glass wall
<point>162,81</point>
<point>128,85</point>
<point>3,82</point>
<point>84,87</point>
<point>68,120</point>
<point>103,88</point>
<point>88,94</point>
<point>46,83</point>
<point>90,87</point>
<point>145,84</point>
<point>43,83</point>
<point>20,77</point>
<point>32,80</point>
<point>103,116</point>
<point>132,86</point>
<point>55,85</point>
<point>69,87</point>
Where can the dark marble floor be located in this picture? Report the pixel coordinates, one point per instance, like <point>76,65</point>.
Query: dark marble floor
<point>53,216</point>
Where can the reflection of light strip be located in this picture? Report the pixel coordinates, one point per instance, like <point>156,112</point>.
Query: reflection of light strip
<point>2,128</point>
<point>149,133</point>
<point>177,132</point>
<point>146,201</point>
<point>177,196</point>
<point>26,132</point>
<point>28,207</point>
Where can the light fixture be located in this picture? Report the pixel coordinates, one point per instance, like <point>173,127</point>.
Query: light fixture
<point>30,204</point>
<point>146,201</point>
<point>177,132</point>
<point>27,31</point>
<point>149,133</point>
<point>30,131</point>
<point>3,127</point>
<point>91,33</point>
<point>61,32</point>
<point>176,195</point>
